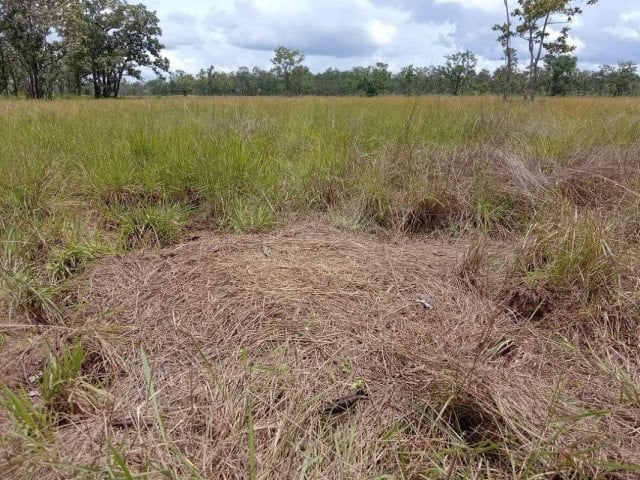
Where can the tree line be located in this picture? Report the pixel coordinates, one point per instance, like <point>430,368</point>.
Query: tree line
<point>558,75</point>
<point>99,47</point>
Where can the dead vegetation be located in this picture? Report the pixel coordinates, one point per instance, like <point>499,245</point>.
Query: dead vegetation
<point>224,357</point>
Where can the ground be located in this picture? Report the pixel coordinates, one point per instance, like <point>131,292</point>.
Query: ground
<point>254,336</point>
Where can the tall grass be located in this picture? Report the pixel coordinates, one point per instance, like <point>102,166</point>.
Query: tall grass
<point>132,173</point>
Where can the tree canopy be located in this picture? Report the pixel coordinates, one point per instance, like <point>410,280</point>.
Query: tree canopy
<point>47,43</point>
<point>533,22</point>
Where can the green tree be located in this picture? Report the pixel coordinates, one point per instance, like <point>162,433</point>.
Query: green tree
<point>114,39</point>
<point>244,82</point>
<point>511,82</point>
<point>562,72</point>
<point>509,53</point>
<point>621,79</point>
<point>184,82</point>
<point>25,27</point>
<point>371,81</point>
<point>302,80</point>
<point>332,82</point>
<point>266,82</point>
<point>482,82</point>
<point>9,69</point>
<point>407,77</point>
<point>206,80</point>
<point>534,19</point>
<point>284,62</point>
<point>458,69</point>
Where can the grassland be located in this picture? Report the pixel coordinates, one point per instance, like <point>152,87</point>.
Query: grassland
<point>527,368</point>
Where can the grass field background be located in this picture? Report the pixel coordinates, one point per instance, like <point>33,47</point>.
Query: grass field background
<point>557,182</point>
<point>79,176</point>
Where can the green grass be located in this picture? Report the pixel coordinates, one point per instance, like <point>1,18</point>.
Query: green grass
<point>84,178</point>
<point>60,375</point>
<point>30,423</point>
<point>151,226</point>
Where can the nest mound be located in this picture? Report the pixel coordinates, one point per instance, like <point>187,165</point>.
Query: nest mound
<point>338,355</point>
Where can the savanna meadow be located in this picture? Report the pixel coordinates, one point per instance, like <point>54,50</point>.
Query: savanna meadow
<point>320,288</point>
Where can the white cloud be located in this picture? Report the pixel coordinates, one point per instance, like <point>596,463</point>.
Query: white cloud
<point>381,33</point>
<point>623,33</point>
<point>487,5</point>
<point>630,16</point>
<point>345,33</point>
<point>628,29</point>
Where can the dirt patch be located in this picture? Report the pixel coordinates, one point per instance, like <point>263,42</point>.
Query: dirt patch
<point>256,336</point>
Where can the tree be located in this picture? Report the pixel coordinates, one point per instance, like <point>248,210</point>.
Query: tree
<point>207,76</point>
<point>114,39</point>
<point>332,82</point>
<point>9,69</point>
<point>562,72</point>
<point>284,63</point>
<point>510,81</point>
<point>621,79</point>
<point>534,20</point>
<point>371,81</point>
<point>185,82</point>
<point>458,69</point>
<point>266,82</point>
<point>482,82</point>
<point>25,27</point>
<point>509,53</point>
<point>407,77</point>
<point>244,81</point>
<point>302,80</point>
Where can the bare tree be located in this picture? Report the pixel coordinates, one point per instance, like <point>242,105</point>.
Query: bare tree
<point>510,56</point>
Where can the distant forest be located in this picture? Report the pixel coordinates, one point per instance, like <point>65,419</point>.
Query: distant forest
<point>108,48</point>
<point>558,77</point>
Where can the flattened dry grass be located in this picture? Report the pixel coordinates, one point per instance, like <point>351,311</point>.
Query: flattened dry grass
<point>231,349</point>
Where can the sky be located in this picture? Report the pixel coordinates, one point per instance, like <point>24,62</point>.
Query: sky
<point>229,34</point>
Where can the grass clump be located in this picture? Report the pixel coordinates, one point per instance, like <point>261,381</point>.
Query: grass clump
<point>151,226</point>
<point>29,422</point>
<point>573,254</point>
<point>72,259</point>
<point>568,263</point>
<point>25,290</point>
<point>250,215</point>
<point>59,377</point>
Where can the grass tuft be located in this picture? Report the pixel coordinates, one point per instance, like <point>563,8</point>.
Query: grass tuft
<point>151,226</point>
<point>29,422</point>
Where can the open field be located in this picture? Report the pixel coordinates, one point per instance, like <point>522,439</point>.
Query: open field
<point>339,288</point>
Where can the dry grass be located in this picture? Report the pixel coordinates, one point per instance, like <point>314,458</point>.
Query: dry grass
<point>253,336</point>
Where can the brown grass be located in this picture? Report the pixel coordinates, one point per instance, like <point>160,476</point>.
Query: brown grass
<point>255,336</point>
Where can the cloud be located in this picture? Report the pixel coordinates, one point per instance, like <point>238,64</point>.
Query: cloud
<point>345,33</point>
<point>331,28</point>
<point>381,33</point>
<point>487,5</point>
<point>633,16</point>
<point>624,33</point>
